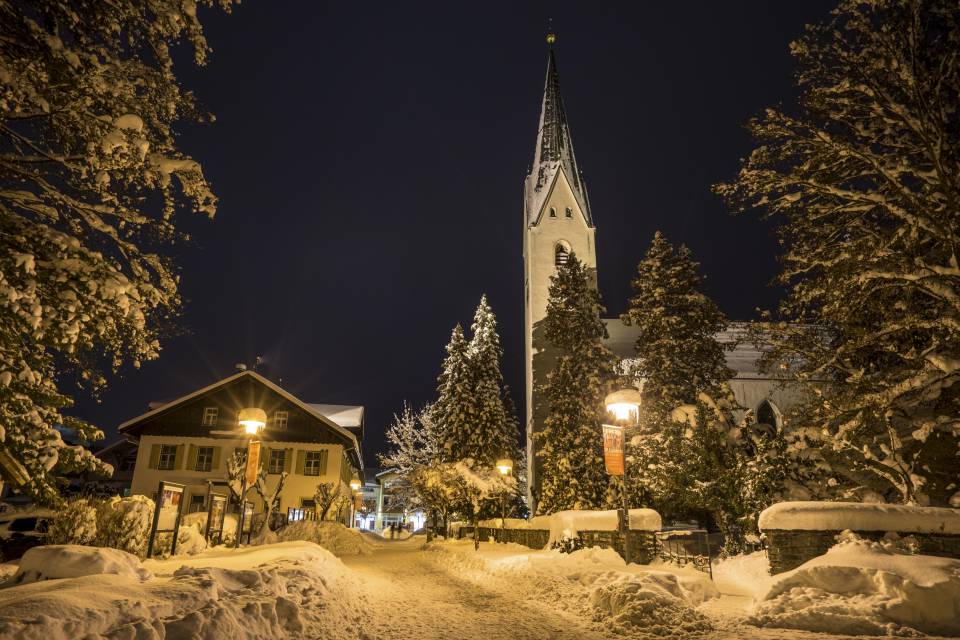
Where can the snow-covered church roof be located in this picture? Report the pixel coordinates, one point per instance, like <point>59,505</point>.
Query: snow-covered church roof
<point>553,151</point>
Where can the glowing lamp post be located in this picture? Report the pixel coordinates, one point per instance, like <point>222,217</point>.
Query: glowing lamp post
<point>623,412</point>
<point>252,420</point>
<point>505,467</point>
<point>355,485</point>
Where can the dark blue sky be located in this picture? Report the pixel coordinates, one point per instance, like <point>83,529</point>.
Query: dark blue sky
<point>369,159</point>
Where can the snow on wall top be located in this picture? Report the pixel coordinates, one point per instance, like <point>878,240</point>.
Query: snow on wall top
<point>837,516</point>
<point>553,151</point>
<point>568,524</point>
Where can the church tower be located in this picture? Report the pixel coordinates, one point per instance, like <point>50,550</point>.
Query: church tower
<point>556,222</point>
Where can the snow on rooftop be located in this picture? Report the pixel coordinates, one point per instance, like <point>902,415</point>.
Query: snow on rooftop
<point>344,415</point>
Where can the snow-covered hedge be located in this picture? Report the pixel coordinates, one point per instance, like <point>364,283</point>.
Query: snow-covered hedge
<point>837,516</point>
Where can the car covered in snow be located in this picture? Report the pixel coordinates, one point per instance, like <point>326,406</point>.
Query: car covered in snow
<point>21,530</point>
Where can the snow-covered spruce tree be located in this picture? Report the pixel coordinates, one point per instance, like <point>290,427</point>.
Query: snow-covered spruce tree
<point>492,434</point>
<point>864,180</point>
<point>88,102</point>
<point>572,474</point>
<point>452,409</point>
<point>678,354</point>
<point>678,357</point>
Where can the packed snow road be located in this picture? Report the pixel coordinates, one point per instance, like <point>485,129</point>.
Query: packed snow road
<point>448,592</point>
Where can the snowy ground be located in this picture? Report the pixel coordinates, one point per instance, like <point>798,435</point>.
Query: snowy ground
<point>391,589</point>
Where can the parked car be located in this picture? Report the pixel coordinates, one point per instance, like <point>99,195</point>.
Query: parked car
<point>20,531</point>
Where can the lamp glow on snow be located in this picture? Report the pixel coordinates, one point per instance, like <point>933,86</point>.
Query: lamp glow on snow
<point>505,466</point>
<point>252,420</point>
<point>623,407</point>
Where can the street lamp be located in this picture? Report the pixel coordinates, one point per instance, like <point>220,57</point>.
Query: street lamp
<point>623,412</point>
<point>253,420</point>
<point>355,485</point>
<point>505,467</point>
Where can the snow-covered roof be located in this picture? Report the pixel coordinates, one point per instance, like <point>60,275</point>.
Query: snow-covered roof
<point>554,151</point>
<point>345,415</point>
<point>346,433</point>
<point>742,359</point>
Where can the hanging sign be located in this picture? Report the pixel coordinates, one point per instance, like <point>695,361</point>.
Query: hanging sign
<point>613,449</point>
<point>216,513</point>
<point>166,514</point>
<point>253,462</point>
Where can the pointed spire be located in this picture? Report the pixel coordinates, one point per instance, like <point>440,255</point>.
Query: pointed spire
<point>554,150</point>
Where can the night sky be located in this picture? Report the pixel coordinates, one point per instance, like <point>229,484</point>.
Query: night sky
<point>369,159</point>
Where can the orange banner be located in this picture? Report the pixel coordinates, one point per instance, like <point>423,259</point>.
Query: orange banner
<point>253,462</point>
<point>613,449</point>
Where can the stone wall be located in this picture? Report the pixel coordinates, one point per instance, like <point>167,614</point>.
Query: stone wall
<point>788,549</point>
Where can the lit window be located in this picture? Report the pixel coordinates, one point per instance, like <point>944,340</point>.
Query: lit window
<point>210,415</point>
<point>204,459</point>
<point>280,419</point>
<point>561,255</point>
<point>278,459</point>
<point>569,212</point>
<point>312,462</point>
<point>553,212</point>
<point>168,454</point>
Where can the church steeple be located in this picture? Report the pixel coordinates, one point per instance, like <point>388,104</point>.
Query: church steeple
<point>554,148</point>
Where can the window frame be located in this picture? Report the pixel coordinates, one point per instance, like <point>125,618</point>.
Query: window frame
<point>168,452</point>
<point>313,465</point>
<point>560,248</point>
<point>203,451</point>
<point>211,416</point>
<point>279,416</point>
<point>282,465</point>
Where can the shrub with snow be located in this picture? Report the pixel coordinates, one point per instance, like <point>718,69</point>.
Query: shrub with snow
<point>332,536</point>
<point>55,561</point>
<point>74,523</point>
<point>124,524</point>
<point>868,588</point>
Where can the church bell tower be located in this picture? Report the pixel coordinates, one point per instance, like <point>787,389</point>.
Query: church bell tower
<point>556,221</point>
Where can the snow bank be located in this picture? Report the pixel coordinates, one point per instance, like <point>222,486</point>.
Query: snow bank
<point>292,590</point>
<point>74,561</point>
<point>867,588</point>
<point>746,574</point>
<point>837,516</point>
<point>568,524</point>
<point>332,536</point>
<point>594,584</point>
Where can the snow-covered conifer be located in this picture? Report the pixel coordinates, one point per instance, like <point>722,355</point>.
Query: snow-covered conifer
<point>862,179</point>
<point>452,409</point>
<point>88,105</point>
<point>572,474</point>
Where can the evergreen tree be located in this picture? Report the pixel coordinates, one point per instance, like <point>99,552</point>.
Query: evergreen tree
<point>452,410</point>
<point>88,116</point>
<point>572,473</point>
<point>492,433</point>
<point>863,181</point>
<point>678,354</point>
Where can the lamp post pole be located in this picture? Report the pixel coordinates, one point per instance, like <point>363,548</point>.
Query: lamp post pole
<point>505,467</point>
<point>252,420</point>
<point>623,410</point>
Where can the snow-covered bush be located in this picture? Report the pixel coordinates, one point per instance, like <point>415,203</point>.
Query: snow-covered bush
<point>75,522</point>
<point>51,562</point>
<point>124,523</point>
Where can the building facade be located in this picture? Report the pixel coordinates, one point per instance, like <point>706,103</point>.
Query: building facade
<point>190,441</point>
<point>557,220</point>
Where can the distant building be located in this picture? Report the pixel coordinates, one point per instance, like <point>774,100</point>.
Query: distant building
<point>558,221</point>
<point>189,440</point>
<point>392,511</point>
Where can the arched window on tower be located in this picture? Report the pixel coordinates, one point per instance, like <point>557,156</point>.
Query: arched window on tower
<point>561,254</point>
<point>553,212</point>
<point>766,425</point>
<point>569,212</point>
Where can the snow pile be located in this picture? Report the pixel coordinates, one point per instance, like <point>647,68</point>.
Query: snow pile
<point>289,590</point>
<point>745,575</point>
<point>568,524</point>
<point>74,561</point>
<point>592,583</point>
<point>837,516</point>
<point>867,588</point>
<point>332,536</point>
